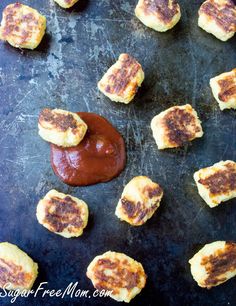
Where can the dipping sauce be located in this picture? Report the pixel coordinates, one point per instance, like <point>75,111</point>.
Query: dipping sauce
<point>99,157</point>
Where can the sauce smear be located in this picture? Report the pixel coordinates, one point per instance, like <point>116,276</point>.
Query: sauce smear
<point>98,158</point>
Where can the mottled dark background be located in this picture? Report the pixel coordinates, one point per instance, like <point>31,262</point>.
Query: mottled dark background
<point>81,43</point>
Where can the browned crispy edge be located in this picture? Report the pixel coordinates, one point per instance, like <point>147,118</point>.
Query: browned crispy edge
<point>66,213</point>
<point>61,122</point>
<point>137,209</point>
<point>176,122</point>
<point>161,8</point>
<point>227,87</point>
<point>221,182</point>
<point>123,276</point>
<point>219,263</point>
<point>120,78</point>
<point>12,273</point>
<point>224,16</point>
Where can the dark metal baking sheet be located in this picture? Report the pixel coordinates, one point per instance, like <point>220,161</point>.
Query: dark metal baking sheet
<point>81,43</point>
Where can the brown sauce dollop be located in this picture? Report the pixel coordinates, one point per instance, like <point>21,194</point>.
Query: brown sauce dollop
<point>98,158</point>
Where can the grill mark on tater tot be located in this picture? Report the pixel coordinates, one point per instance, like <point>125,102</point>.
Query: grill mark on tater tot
<point>131,208</point>
<point>219,263</point>
<point>224,15</point>
<point>63,122</point>
<point>121,276</point>
<point>69,1</point>
<point>121,77</point>
<point>178,123</point>
<point>227,87</point>
<point>162,7</point>
<point>61,213</point>
<point>223,181</point>
<point>153,192</point>
<point>136,209</point>
<point>12,273</point>
<point>12,23</point>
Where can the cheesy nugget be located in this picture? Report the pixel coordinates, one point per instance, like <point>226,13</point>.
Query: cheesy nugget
<point>22,26</point>
<point>61,127</point>
<point>217,183</point>
<point>218,17</point>
<point>214,264</point>
<point>160,15</point>
<point>176,126</point>
<point>66,3</point>
<point>17,269</point>
<point>224,89</point>
<point>62,214</point>
<point>139,201</point>
<point>118,273</point>
<point>122,80</point>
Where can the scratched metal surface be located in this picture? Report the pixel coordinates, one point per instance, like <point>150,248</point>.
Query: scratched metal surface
<point>80,45</point>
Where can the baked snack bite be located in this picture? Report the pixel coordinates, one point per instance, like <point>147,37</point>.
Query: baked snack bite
<point>160,15</point>
<point>22,26</point>
<point>218,17</point>
<point>139,201</point>
<point>120,83</point>
<point>214,264</point>
<point>17,269</point>
<point>66,3</point>
<point>224,89</point>
<point>176,126</point>
<point>62,214</point>
<point>217,183</point>
<point>61,127</point>
<point>118,273</point>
